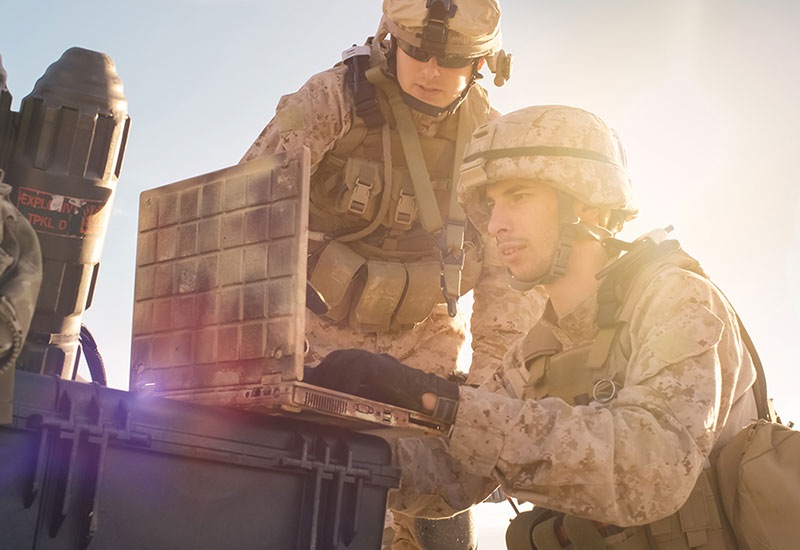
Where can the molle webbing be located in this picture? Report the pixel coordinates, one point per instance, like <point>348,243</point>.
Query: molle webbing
<point>426,200</point>
<point>452,240</point>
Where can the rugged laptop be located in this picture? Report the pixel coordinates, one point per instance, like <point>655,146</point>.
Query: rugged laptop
<point>220,296</point>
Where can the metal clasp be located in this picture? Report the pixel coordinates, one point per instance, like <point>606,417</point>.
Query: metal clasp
<point>604,390</point>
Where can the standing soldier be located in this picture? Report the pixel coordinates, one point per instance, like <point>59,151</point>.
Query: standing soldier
<point>606,414</point>
<point>390,250</point>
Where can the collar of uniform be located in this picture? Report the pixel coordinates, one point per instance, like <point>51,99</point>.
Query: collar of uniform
<point>577,327</point>
<point>427,125</point>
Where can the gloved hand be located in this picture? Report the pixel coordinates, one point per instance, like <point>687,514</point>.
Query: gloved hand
<point>383,378</point>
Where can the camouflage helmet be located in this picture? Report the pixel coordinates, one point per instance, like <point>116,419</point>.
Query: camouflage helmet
<point>462,28</point>
<point>567,148</point>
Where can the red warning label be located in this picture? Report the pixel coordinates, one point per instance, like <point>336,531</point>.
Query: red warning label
<point>59,214</point>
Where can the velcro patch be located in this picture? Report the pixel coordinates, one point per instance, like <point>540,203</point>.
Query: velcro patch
<point>679,343</point>
<point>291,118</point>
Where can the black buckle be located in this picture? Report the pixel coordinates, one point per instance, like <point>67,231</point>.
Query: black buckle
<point>434,36</point>
<point>364,96</point>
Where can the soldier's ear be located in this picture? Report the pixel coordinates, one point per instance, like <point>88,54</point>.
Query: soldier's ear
<point>589,214</point>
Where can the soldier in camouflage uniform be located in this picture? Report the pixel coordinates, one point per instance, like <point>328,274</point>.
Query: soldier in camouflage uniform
<point>609,409</point>
<point>390,250</point>
<point>20,275</point>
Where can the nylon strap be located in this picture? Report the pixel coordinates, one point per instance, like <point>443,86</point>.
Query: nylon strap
<point>453,250</point>
<point>426,200</point>
<point>455,212</point>
<point>601,348</point>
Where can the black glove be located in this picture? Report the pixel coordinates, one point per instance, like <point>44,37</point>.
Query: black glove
<point>383,378</point>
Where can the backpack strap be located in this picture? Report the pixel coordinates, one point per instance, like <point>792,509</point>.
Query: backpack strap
<point>624,283</point>
<point>763,406</point>
<point>366,101</point>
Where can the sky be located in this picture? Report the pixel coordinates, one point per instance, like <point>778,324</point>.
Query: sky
<point>702,93</point>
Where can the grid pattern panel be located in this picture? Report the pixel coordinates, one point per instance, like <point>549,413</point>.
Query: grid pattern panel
<point>220,277</point>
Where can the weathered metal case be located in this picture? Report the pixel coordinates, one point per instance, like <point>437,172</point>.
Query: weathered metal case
<point>220,278</point>
<point>84,466</point>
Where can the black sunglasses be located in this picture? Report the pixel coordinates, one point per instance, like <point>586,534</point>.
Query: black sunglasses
<point>448,62</point>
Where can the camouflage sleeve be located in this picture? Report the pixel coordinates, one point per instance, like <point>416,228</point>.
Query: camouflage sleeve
<point>433,484</point>
<point>635,459</point>
<point>500,315</point>
<point>315,116</point>
<point>20,276</point>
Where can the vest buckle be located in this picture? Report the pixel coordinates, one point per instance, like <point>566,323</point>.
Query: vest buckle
<point>405,210</point>
<point>359,199</point>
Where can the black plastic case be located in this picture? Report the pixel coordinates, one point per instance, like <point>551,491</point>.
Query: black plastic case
<point>84,466</point>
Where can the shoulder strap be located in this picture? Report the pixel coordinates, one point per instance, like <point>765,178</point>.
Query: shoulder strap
<point>366,102</point>
<point>455,227</point>
<point>765,412</point>
<point>426,200</point>
<point>626,280</point>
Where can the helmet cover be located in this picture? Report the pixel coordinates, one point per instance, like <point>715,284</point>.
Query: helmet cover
<point>567,148</point>
<point>473,26</point>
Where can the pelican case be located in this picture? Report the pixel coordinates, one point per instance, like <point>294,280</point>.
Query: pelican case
<point>84,466</point>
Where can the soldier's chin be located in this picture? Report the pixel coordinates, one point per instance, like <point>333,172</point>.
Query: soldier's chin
<point>526,275</point>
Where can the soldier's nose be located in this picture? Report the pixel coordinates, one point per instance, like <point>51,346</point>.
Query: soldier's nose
<point>498,222</point>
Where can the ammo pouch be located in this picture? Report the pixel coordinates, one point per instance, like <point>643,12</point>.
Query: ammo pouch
<point>363,185</point>
<point>375,295</point>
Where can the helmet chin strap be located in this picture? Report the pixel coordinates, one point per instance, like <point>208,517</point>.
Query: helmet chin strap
<point>570,229</point>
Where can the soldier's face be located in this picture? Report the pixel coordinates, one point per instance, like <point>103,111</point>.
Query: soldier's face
<point>524,220</point>
<point>430,83</point>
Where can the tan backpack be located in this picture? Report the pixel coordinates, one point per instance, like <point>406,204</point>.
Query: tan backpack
<point>758,474</point>
<point>759,483</point>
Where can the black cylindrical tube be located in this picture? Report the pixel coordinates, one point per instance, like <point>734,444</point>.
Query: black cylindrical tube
<point>64,169</point>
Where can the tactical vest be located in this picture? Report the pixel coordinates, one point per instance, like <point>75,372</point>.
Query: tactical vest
<point>595,372</point>
<point>378,265</point>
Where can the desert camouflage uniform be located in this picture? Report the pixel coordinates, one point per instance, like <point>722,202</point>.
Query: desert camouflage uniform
<point>20,276</point>
<point>630,461</point>
<point>319,115</point>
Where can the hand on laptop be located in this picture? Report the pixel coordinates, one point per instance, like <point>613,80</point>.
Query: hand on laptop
<point>381,377</point>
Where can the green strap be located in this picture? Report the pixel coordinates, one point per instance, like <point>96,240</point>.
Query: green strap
<point>601,348</point>
<point>453,257</point>
<point>426,200</point>
<point>544,535</point>
<point>455,212</point>
<point>583,533</point>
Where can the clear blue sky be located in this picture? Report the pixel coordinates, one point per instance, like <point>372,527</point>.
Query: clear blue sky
<point>703,93</point>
